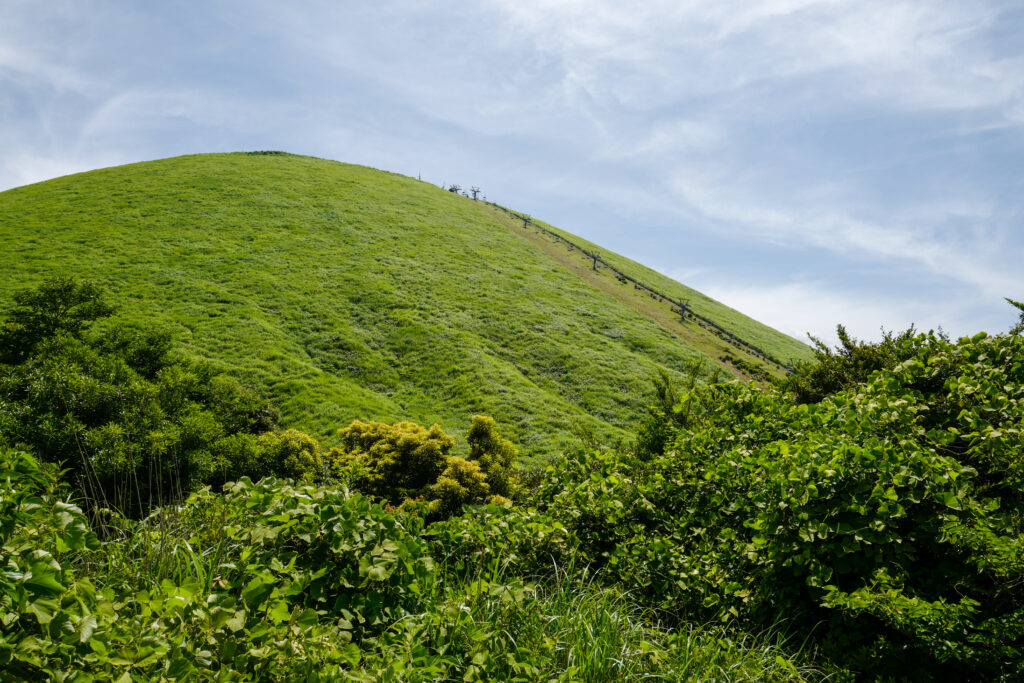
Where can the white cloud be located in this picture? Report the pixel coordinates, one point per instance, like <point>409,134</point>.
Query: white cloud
<point>25,167</point>
<point>799,308</point>
<point>969,256</point>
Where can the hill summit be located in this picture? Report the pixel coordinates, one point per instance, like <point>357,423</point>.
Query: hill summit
<point>344,292</point>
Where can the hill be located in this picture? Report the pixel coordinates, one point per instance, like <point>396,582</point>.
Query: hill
<point>344,292</point>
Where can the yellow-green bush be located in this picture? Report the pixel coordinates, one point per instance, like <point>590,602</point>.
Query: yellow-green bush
<point>407,461</point>
<point>293,453</point>
<point>463,481</point>
<point>394,462</point>
<point>495,455</point>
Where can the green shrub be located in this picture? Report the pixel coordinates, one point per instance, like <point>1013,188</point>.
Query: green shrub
<point>393,462</point>
<point>133,425</point>
<point>522,541</point>
<point>495,455</point>
<point>59,306</point>
<point>265,582</point>
<point>406,461</point>
<point>290,453</point>
<point>851,363</point>
<point>44,612</point>
<point>886,520</point>
<point>463,481</point>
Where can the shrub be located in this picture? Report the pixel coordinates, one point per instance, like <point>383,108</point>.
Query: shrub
<point>290,453</point>
<point>393,462</point>
<point>266,582</point>
<point>852,362</point>
<point>462,482</point>
<point>405,461</point>
<point>495,455</point>
<point>134,425</point>
<point>886,520</point>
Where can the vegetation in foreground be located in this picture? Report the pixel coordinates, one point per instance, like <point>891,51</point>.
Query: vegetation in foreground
<point>879,528</point>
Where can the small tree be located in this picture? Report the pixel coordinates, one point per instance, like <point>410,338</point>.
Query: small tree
<point>59,305</point>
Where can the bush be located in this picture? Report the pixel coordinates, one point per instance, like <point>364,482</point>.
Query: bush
<point>851,363</point>
<point>393,462</point>
<point>266,582</point>
<point>406,461</point>
<point>133,425</point>
<point>495,455</point>
<point>290,453</point>
<point>886,520</point>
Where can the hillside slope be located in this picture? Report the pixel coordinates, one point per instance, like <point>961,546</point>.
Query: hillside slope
<point>344,292</point>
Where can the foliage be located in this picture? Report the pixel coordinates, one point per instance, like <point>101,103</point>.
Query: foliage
<point>284,584</point>
<point>293,453</point>
<point>134,425</point>
<point>61,305</point>
<point>494,454</point>
<point>495,629</point>
<point>394,462</point>
<point>275,582</point>
<point>499,537</point>
<point>1019,327</point>
<point>668,414</point>
<point>461,482</point>
<point>851,363</point>
<point>885,520</point>
<point>39,617</point>
<point>406,461</point>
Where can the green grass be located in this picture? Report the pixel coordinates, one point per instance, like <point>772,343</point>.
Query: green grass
<point>776,343</point>
<point>344,292</point>
<point>562,629</point>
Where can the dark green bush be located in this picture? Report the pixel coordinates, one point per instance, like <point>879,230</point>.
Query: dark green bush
<point>133,424</point>
<point>852,362</point>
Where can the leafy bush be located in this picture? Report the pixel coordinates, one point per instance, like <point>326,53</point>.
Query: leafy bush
<point>523,541</point>
<point>133,425</point>
<point>461,482</point>
<point>290,453</point>
<point>851,363</point>
<point>59,306</point>
<point>279,583</point>
<point>40,614</point>
<point>886,519</point>
<point>407,461</point>
<point>393,462</point>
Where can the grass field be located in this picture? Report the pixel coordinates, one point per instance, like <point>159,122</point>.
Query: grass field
<point>344,292</point>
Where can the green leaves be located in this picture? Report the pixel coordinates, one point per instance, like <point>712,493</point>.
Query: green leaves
<point>888,511</point>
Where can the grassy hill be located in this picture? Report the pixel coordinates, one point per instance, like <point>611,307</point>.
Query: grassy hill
<point>344,292</point>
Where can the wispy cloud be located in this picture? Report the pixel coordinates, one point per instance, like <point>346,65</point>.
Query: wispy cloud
<point>814,307</point>
<point>883,132</point>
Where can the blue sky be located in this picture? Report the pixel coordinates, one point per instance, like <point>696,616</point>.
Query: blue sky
<point>809,162</point>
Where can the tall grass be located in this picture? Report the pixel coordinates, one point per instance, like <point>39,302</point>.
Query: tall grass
<point>570,628</point>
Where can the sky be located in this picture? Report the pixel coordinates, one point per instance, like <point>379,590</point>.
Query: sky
<point>808,162</point>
